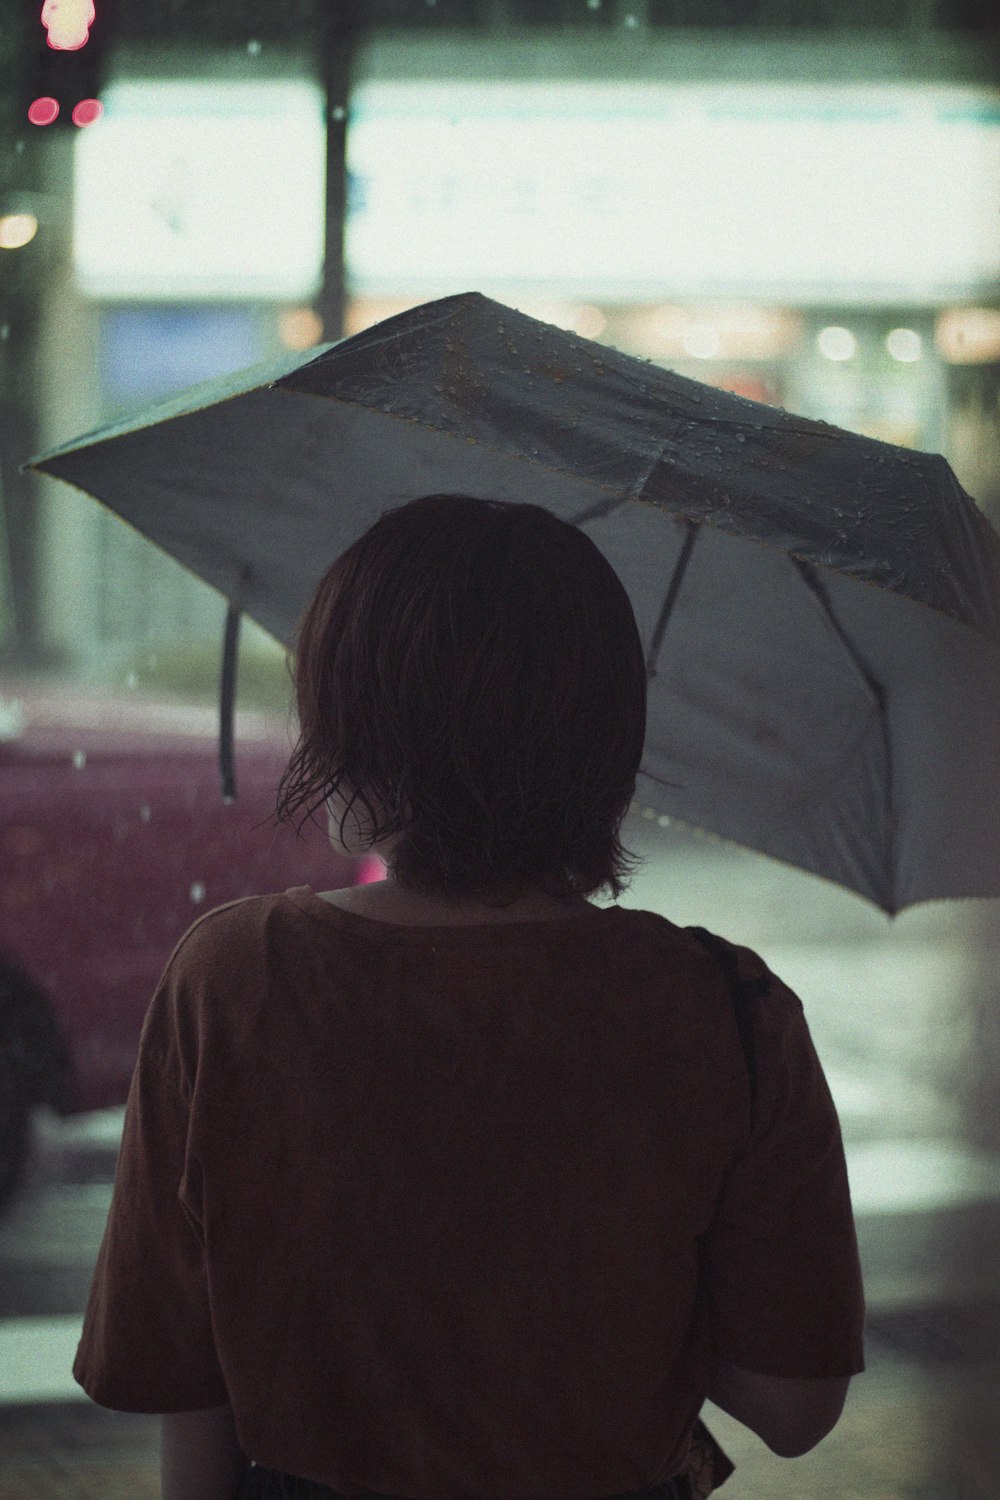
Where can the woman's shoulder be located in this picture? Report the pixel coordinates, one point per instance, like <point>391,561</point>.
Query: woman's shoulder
<point>229,929</point>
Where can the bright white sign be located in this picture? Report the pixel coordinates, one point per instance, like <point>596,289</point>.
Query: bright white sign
<point>187,190</point>
<point>643,190</point>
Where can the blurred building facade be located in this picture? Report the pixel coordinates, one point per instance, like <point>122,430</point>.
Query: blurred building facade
<point>793,201</point>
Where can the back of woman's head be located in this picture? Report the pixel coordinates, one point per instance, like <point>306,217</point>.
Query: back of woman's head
<point>474,668</point>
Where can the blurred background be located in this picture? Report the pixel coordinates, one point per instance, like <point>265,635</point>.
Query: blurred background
<point>798,200</point>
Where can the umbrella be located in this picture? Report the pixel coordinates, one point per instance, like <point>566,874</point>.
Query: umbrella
<point>820,611</point>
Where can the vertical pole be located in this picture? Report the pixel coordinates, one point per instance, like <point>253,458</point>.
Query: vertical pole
<point>19,623</point>
<point>337,32</point>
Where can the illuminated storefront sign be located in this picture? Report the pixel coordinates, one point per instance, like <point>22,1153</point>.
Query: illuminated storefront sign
<point>637,191</point>
<point>799,193</point>
<point>202,189</point>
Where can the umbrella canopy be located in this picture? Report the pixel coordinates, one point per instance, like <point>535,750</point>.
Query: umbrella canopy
<point>820,611</point>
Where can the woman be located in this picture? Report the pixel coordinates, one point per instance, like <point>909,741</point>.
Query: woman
<point>456,1186</point>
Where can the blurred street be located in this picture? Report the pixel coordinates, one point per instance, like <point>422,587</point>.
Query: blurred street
<point>885,1007</point>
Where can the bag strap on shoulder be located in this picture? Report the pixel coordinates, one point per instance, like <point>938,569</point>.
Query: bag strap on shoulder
<point>744,992</point>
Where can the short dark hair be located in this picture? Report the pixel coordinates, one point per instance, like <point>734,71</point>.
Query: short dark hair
<point>476,666</point>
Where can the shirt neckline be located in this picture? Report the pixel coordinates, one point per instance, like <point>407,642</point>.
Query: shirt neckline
<point>306,899</point>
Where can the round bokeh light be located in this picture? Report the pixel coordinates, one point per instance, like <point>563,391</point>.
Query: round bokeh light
<point>837,343</point>
<point>904,344</point>
<point>43,111</point>
<point>87,111</point>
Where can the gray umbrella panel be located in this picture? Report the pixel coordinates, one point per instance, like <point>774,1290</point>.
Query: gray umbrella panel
<point>483,372</point>
<point>826,707</point>
<point>778,729</point>
<point>469,367</point>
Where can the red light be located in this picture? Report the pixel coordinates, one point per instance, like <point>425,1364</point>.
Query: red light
<point>43,111</point>
<point>87,111</point>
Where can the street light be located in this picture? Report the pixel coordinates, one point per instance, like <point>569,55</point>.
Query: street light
<point>65,63</point>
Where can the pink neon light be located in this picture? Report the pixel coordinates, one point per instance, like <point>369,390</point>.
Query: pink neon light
<point>87,111</point>
<point>43,111</point>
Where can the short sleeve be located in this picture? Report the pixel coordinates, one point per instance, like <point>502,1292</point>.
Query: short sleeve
<point>780,1258</point>
<point>147,1343</point>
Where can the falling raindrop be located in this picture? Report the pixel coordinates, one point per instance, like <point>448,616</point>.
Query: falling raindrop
<point>253,48</point>
<point>338,112</point>
<point>631,21</point>
<point>593,4</point>
<point>741,437</point>
<point>131,680</point>
<point>4,330</point>
<point>145,812</point>
<point>79,759</point>
<point>197,891</point>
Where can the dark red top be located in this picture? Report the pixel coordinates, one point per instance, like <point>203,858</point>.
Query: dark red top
<point>455,1212</point>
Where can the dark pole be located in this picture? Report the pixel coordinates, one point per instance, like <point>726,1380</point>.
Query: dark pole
<point>24,168</point>
<point>338,25</point>
<point>20,645</point>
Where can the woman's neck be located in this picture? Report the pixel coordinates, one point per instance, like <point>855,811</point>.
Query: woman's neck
<point>392,903</point>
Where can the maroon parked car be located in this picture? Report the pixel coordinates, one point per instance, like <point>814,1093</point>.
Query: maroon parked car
<point>113,839</point>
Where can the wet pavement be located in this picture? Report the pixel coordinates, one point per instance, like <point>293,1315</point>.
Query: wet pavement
<point>893,1012</point>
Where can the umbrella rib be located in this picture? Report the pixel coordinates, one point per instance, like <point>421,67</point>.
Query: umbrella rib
<point>227,686</point>
<point>672,593</point>
<point>876,694</point>
<point>872,687</point>
<point>227,702</point>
